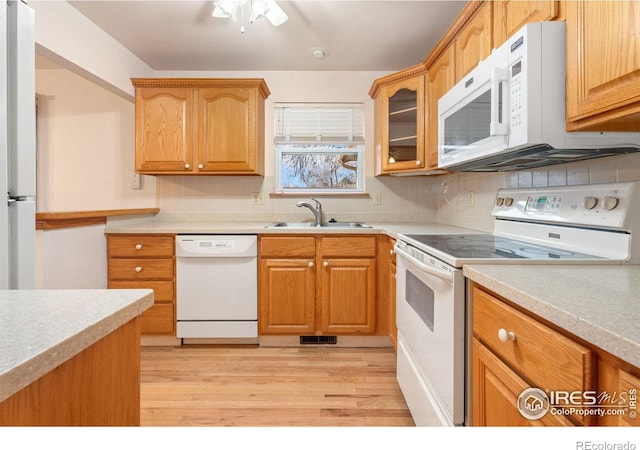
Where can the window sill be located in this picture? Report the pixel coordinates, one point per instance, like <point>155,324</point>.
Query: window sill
<point>317,194</point>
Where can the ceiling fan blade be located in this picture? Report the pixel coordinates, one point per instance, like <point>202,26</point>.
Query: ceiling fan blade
<point>275,14</point>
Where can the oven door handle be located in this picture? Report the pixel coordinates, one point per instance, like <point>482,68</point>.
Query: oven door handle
<point>436,272</point>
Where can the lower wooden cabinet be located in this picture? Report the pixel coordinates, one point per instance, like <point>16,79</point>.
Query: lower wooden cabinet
<point>514,352</point>
<point>146,262</point>
<point>321,285</point>
<point>496,389</point>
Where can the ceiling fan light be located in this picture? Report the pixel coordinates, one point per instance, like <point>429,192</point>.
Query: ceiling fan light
<point>225,9</point>
<point>274,13</point>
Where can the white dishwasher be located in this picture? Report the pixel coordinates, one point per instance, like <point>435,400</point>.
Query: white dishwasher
<point>217,287</point>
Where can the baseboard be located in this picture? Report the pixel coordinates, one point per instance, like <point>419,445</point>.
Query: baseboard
<point>159,340</point>
<point>342,341</point>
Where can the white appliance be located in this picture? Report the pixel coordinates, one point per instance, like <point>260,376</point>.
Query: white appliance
<point>509,112</point>
<point>564,225</point>
<point>17,146</point>
<point>217,287</point>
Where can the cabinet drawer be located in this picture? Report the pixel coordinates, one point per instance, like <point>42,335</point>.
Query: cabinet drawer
<point>358,246</point>
<point>141,246</point>
<point>159,319</point>
<point>285,247</point>
<point>141,269</point>
<point>548,359</point>
<point>163,291</point>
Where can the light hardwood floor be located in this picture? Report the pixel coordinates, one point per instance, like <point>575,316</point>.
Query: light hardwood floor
<point>257,386</point>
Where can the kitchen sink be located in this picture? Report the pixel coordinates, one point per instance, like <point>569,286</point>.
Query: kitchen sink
<point>324,225</point>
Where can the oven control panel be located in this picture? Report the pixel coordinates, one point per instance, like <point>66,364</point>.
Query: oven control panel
<point>601,205</point>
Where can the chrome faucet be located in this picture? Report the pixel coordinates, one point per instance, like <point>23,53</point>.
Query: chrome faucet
<point>317,211</point>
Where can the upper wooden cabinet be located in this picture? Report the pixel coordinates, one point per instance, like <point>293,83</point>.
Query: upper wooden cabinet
<point>200,126</point>
<point>511,15</point>
<point>399,121</point>
<point>603,68</point>
<point>440,78</point>
<point>474,41</point>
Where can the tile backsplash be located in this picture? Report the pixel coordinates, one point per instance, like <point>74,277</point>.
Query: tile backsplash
<point>232,198</point>
<point>456,206</point>
<point>460,199</point>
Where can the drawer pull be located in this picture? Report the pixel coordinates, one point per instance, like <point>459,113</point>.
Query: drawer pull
<point>506,336</point>
<point>138,269</point>
<point>138,246</point>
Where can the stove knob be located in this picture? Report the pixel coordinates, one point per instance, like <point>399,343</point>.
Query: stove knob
<point>590,202</point>
<point>610,202</point>
<point>508,201</point>
<point>499,201</point>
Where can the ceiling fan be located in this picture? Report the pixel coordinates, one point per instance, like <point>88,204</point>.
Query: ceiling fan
<point>256,9</point>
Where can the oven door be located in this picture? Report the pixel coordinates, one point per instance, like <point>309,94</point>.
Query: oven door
<point>430,315</point>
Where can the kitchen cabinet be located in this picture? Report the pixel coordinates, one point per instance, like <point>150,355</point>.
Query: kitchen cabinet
<point>440,78</point>
<point>513,351</point>
<point>320,285</point>
<point>399,102</point>
<point>98,386</point>
<point>391,292</point>
<point>199,126</point>
<point>146,262</point>
<point>603,71</point>
<point>287,288</point>
<point>474,41</point>
<point>511,15</point>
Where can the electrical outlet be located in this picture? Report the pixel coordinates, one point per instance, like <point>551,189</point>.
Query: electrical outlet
<point>258,198</point>
<point>471,198</point>
<point>135,181</point>
<point>377,199</point>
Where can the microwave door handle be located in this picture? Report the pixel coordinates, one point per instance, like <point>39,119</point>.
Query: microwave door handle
<point>442,274</point>
<point>499,102</point>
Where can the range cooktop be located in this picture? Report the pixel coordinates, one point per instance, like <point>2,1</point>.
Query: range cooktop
<point>489,246</point>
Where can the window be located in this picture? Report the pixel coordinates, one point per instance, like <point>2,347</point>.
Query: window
<point>319,148</point>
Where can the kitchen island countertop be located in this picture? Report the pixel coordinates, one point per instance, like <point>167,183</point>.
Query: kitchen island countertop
<point>41,329</point>
<point>597,303</point>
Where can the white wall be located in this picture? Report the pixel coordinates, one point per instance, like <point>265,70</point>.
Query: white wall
<point>85,147</point>
<point>67,37</point>
<point>85,140</point>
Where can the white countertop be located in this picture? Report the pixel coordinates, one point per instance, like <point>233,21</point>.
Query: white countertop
<point>222,227</point>
<point>598,303</point>
<point>41,329</point>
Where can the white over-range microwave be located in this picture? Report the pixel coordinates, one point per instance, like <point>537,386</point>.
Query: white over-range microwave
<point>509,112</point>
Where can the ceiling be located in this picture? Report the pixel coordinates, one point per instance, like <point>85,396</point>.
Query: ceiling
<point>355,34</point>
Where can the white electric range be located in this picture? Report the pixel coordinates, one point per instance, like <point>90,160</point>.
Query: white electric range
<point>591,224</point>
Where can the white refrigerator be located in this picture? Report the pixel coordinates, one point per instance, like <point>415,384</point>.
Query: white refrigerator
<point>17,146</point>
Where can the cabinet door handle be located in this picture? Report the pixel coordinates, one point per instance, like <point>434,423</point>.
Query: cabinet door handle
<point>200,166</point>
<point>138,269</point>
<point>391,252</point>
<point>418,162</point>
<point>187,166</point>
<point>325,264</point>
<point>310,264</point>
<point>506,336</point>
<point>138,246</point>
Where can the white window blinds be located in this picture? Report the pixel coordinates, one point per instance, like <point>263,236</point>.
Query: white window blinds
<point>326,123</point>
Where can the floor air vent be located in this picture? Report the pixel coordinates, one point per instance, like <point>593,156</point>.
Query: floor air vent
<point>318,340</point>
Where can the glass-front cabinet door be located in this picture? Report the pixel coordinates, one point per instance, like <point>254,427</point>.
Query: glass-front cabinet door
<point>402,140</point>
